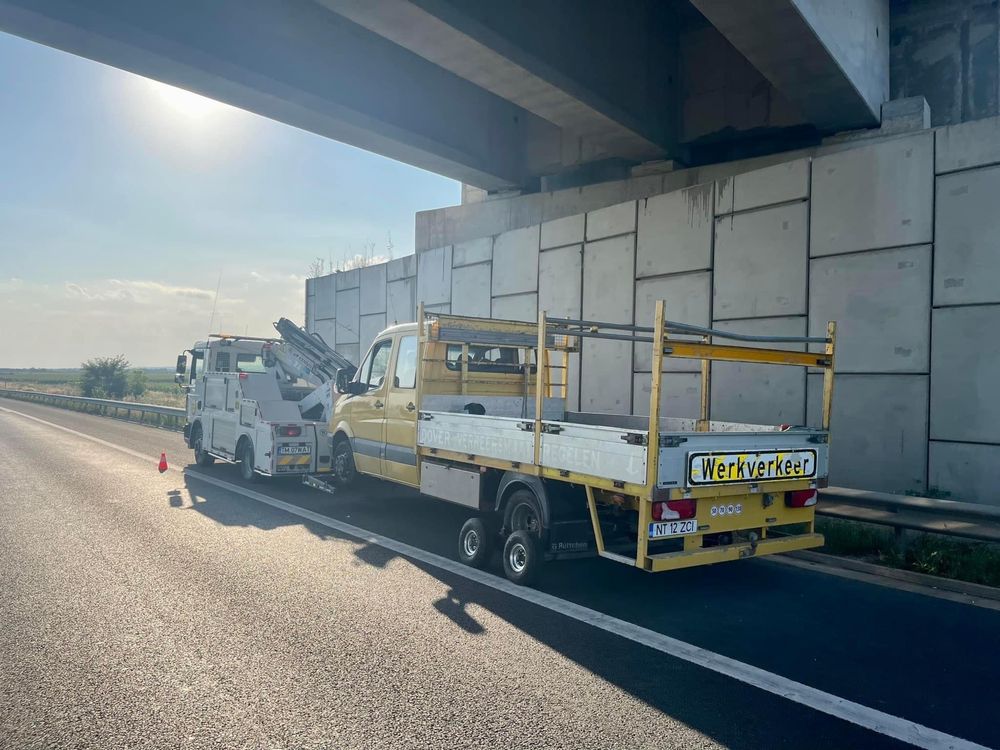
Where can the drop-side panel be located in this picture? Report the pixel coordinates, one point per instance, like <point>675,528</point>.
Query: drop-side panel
<point>501,438</point>
<point>604,452</point>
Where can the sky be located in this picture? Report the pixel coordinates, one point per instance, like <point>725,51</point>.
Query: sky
<point>123,200</point>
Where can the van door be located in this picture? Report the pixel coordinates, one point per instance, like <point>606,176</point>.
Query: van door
<point>400,455</point>
<point>367,410</point>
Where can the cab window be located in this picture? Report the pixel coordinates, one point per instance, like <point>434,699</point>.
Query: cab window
<point>376,365</point>
<point>250,363</point>
<point>406,363</point>
<point>496,359</point>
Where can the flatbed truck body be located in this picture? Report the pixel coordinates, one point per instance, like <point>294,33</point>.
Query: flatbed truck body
<point>473,411</point>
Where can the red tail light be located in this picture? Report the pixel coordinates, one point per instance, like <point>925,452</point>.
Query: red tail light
<point>800,498</point>
<point>290,430</point>
<point>673,509</point>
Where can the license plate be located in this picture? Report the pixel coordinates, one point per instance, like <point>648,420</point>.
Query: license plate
<point>736,468</point>
<point>293,450</point>
<point>658,530</point>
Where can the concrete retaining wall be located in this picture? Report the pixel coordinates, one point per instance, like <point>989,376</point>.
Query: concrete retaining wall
<point>898,239</point>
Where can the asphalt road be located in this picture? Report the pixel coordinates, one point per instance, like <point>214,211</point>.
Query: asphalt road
<point>147,610</point>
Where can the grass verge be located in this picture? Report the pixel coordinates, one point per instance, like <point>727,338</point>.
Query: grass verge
<point>975,562</point>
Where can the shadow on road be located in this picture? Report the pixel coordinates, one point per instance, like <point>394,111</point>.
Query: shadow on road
<point>736,610</point>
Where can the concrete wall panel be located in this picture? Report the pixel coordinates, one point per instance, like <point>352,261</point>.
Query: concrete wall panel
<point>965,374</point>
<point>608,273</point>
<point>872,197</point>
<point>879,428</point>
<point>327,329</point>
<point>965,471</point>
<point>516,307</point>
<point>560,294</point>
<point>675,232</point>
<point>326,301</point>
<point>310,311</point>
<point>607,222</point>
<point>401,301</point>
<point>966,228</point>
<point>515,261</point>
<point>565,231</point>
<point>761,263</point>
<point>470,290</point>
<point>348,316</point>
<point>688,297</point>
<point>760,394</point>
<point>348,279</point>
<point>473,251</point>
<point>351,351</point>
<point>560,281</point>
<point>680,394</point>
<point>608,277</point>
<point>724,197</point>
<point>969,144</point>
<point>371,326</point>
<point>434,276</point>
<point>401,268</point>
<point>776,184</point>
<point>881,302</point>
<point>373,289</point>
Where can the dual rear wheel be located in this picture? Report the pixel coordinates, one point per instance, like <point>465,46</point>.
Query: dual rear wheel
<point>521,556</point>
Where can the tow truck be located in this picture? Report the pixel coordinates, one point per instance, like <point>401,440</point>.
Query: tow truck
<point>263,403</point>
<point>473,411</point>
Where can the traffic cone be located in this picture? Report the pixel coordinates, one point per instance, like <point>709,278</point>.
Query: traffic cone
<point>163,462</point>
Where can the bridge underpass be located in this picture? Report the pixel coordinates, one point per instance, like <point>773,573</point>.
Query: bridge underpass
<point>512,96</point>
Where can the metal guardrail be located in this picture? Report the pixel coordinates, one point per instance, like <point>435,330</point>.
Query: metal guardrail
<point>159,416</point>
<point>901,512</point>
<point>947,517</point>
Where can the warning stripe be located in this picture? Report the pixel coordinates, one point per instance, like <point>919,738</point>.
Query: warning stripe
<point>294,460</point>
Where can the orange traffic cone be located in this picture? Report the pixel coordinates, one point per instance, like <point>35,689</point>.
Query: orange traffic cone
<point>163,462</point>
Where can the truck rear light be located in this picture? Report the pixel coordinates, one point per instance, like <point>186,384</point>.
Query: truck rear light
<point>800,498</point>
<point>671,510</point>
<point>289,430</point>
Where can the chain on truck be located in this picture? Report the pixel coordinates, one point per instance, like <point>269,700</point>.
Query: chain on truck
<point>474,411</point>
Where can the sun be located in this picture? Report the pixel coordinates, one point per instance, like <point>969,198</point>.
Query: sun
<point>187,104</point>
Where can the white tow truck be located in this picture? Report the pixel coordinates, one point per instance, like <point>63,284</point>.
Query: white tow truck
<point>261,402</point>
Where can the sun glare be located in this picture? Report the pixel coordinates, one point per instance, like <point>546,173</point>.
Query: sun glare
<point>187,104</point>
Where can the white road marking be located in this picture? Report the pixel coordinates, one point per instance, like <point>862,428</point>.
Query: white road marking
<point>818,700</point>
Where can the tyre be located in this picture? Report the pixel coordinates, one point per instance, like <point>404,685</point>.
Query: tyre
<point>475,543</point>
<point>521,558</point>
<point>522,513</point>
<point>344,472</point>
<point>201,456</point>
<point>246,462</point>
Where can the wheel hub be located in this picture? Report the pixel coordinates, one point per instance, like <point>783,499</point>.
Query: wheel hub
<point>470,544</point>
<point>517,558</point>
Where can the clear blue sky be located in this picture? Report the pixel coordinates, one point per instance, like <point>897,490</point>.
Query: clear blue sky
<point>121,200</point>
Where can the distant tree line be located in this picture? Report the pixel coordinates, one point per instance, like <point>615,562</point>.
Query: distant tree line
<point>110,377</point>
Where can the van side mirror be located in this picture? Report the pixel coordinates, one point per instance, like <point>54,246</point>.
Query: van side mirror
<point>344,378</point>
<point>355,388</point>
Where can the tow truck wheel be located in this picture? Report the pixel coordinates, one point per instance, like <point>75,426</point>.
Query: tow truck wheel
<point>521,558</point>
<point>246,462</point>
<point>475,543</point>
<point>201,456</point>
<point>343,462</point>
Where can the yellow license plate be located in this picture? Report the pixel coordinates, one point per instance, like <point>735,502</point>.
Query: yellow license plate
<point>744,468</point>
